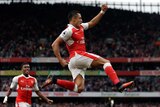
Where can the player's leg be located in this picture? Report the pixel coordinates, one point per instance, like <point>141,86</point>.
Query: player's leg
<point>110,72</point>
<point>91,60</point>
<point>80,82</point>
<point>70,85</point>
<point>78,77</point>
<point>107,68</point>
<point>77,70</point>
<point>76,86</point>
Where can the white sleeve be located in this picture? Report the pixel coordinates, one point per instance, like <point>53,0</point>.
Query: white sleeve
<point>36,85</point>
<point>85,26</point>
<point>14,83</point>
<point>66,34</point>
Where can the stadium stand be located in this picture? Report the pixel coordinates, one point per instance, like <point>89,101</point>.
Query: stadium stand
<point>36,26</point>
<point>28,30</point>
<point>97,84</point>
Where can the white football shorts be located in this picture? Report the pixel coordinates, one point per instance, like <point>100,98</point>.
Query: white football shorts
<point>80,62</point>
<point>22,104</point>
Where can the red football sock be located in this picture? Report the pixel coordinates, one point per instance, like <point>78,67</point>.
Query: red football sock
<point>111,73</point>
<point>67,84</point>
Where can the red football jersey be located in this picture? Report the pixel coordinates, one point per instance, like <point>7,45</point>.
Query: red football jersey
<point>74,38</point>
<point>25,85</point>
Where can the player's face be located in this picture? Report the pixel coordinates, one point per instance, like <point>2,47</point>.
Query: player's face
<point>26,68</point>
<point>78,20</point>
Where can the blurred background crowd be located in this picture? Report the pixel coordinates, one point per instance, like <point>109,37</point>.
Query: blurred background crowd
<point>97,84</point>
<point>30,30</point>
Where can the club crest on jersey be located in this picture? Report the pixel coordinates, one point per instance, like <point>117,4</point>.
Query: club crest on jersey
<point>64,33</point>
<point>32,82</point>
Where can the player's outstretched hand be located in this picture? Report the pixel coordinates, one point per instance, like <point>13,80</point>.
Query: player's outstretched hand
<point>104,7</point>
<point>49,101</point>
<point>63,62</point>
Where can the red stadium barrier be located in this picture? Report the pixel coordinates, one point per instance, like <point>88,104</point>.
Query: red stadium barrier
<point>139,73</point>
<point>53,59</point>
<point>128,73</point>
<point>15,60</point>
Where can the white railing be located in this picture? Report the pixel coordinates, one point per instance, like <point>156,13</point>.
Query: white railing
<point>131,6</point>
<point>93,94</point>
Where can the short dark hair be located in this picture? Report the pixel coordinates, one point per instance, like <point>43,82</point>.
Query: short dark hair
<point>72,14</point>
<point>24,63</point>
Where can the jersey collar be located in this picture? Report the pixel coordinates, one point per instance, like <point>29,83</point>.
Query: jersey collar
<point>25,76</point>
<point>70,25</point>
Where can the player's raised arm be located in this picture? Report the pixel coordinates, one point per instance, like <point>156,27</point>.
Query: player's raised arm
<point>98,17</point>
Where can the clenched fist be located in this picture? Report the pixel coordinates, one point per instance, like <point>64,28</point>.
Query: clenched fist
<point>104,7</point>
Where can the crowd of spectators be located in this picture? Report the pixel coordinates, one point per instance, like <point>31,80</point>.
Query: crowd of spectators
<point>28,30</point>
<point>134,104</point>
<point>98,84</point>
<point>61,105</point>
<point>56,66</point>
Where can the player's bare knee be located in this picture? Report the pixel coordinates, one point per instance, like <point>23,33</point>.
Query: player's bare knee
<point>80,89</point>
<point>106,61</point>
<point>103,61</point>
<point>106,64</point>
